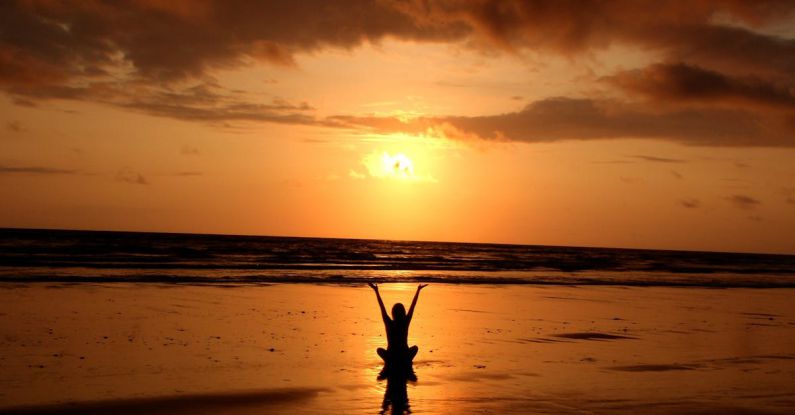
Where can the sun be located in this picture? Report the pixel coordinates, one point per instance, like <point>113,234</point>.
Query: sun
<point>407,166</point>
<point>398,165</point>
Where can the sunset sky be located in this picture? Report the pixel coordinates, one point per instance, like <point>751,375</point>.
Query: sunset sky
<point>659,124</point>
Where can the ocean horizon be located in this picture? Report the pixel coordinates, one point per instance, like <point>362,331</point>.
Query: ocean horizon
<point>48,255</point>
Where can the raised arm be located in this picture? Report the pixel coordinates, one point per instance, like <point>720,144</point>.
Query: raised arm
<point>384,315</point>
<point>414,302</point>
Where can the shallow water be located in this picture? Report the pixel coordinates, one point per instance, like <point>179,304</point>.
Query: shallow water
<point>47,255</point>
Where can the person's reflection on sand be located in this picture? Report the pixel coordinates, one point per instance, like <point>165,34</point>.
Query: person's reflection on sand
<point>396,397</point>
<point>398,368</point>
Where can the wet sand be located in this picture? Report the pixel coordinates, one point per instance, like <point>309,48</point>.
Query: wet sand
<point>300,348</point>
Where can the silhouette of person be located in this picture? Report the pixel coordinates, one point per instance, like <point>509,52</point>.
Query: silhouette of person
<point>397,330</point>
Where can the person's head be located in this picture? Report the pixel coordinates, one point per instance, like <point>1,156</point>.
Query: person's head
<point>398,312</point>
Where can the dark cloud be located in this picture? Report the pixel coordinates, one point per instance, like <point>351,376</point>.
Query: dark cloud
<point>212,103</point>
<point>690,203</point>
<point>681,82</point>
<point>789,195</point>
<point>80,50</point>
<point>705,60</point>
<point>585,119</point>
<point>203,101</point>
<point>677,30</point>
<point>744,202</point>
<point>140,55</point>
<point>189,151</point>
<point>241,111</point>
<point>613,162</point>
<point>656,159</point>
<point>35,170</point>
<point>14,126</point>
<point>48,42</point>
<point>131,177</point>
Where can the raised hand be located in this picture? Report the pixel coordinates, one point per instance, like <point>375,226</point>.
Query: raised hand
<point>414,301</point>
<point>373,286</point>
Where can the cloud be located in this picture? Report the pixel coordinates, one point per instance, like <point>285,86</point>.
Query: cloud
<point>613,162</point>
<point>203,101</point>
<point>14,126</point>
<point>35,170</point>
<point>562,118</point>
<point>656,159</point>
<point>690,203</point>
<point>131,177</point>
<point>140,54</point>
<point>743,202</point>
<point>711,33</point>
<point>189,151</point>
<point>682,82</point>
<point>52,42</point>
<point>718,69</point>
<point>677,175</point>
<point>789,195</point>
<point>208,103</point>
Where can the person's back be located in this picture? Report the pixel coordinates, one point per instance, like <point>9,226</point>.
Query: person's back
<point>397,331</point>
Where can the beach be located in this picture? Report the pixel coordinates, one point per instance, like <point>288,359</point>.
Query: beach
<point>310,348</point>
<point>202,199</point>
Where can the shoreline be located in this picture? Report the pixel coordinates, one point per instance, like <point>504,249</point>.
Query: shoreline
<point>681,281</point>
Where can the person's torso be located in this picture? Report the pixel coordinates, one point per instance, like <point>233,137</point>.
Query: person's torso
<point>397,335</point>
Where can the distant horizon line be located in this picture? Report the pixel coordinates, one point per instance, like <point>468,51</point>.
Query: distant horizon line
<point>4,228</point>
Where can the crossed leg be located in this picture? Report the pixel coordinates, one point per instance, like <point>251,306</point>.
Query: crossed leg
<point>385,355</point>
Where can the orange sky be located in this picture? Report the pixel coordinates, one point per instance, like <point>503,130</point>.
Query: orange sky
<point>664,124</point>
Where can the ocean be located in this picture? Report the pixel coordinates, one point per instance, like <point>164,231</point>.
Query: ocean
<point>37,255</point>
